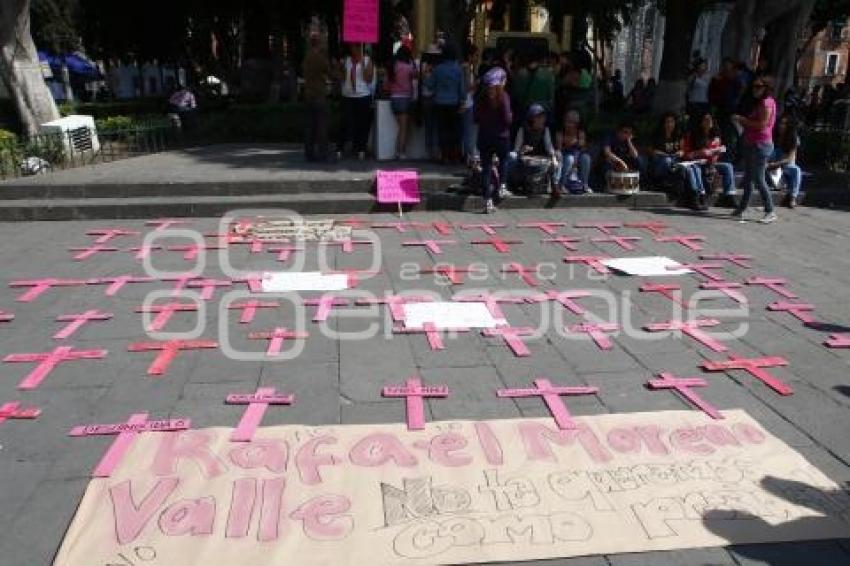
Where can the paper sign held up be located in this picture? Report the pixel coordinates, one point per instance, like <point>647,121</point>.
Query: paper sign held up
<point>398,186</point>
<point>360,21</point>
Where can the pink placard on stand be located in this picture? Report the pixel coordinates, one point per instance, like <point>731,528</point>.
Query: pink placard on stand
<point>756,368</point>
<point>414,393</point>
<point>13,410</point>
<point>47,362</point>
<point>552,398</point>
<point>400,187</point>
<point>360,21</point>
<point>168,350</point>
<point>683,386</point>
<point>257,404</point>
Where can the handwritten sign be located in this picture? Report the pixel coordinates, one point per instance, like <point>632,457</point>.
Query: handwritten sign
<point>398,187</point>
<point>454,492</point>
<point>360,21</point>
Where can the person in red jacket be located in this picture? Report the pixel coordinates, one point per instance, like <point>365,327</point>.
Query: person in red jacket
<point>702,144</point>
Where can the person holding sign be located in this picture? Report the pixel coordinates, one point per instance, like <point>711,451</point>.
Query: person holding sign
<point>358,84</point>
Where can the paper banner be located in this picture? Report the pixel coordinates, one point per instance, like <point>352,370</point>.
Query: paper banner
<point>360,21</point>
<point>645,266</point>
<point>398,186</point>
<point>449,315</point>
<point>459,492</point>
<point>281,282</point>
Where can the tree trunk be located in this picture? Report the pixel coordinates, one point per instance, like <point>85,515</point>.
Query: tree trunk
<point>20,68</point>
<point>779,47</point>
<point>681,21</point>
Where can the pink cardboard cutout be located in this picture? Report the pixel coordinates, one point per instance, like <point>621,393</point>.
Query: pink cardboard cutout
<point>397,186</point>
<point>257,404</point>
<point>683,387</point>
<point>754,367</point>
<point>360,21</point>
<point>47,362</point>
<point>168,350</point>
<point>414,393</point>
<point>552,398</point>
<point>691,328</point>
<point>77,321</point>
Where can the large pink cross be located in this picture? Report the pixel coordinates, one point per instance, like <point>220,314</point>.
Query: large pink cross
<point>754,367</point>
<point>6,316</point>
<point>672,292</point>
<point>451,272</point>
<point>164,312</point>
<point>691,328</point>
<point>489,229</point>
<point>592,261</point>
<point>117,283</point>
<point>47,362</point>
<point>249,309</point>
<point>208,286</point>
<point>13,410</point>
<point>284,252</point>
<point>512,336</point>
<point>276,338</point>
<point>728,288</point>
<point>443,228</point>
<point>180,282</point>
<point>431,332</point>
<point>704,269</point>
<point>774,284</point>
<point>597,332</point>
<point>165,223</point>
<point>491,301</point>
<point>552,398</point>
<point>604,227</point>
<point>548,228</point>
<point>625,242</point>
<point>653,227</point>
<point>738,259</point>
<point>798,310</point>
<point>568,242</point>
<point>39,286</point>
<point>254,281</point>
<point>400,227</point>
<point>126,432</point>
<point>324,305</point>
<point>683,387</point>
<point>257,403</point>
<point>144,251</point>
<point>690,241</point>
<point>346,245</point>
<point>838,341</point>
<point>396,303</point>
<point>526,273</point>
<point>432,246</point>
<point>77,321</point>
<point>500,245</point>
<point>414,394</point>
<point>168,350</point>
<point>109,234</point>
<point>191,251</point>
<point>565,298</point>
<point>356,223</point>
<point>85,253</point>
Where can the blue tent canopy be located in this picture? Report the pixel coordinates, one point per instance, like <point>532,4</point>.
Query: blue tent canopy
<point>77,64</point>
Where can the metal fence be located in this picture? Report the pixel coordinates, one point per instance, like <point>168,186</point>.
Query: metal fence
<point>44,153</point>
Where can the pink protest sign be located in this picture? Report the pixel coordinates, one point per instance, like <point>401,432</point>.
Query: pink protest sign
<point>47,362</point>
<point>414,392</point>
<point>398,186</point>
<point>552,398</point>
<point>257,404</point>
<point>14,411</point>
<point>683,386</point>
<point>360,21</point>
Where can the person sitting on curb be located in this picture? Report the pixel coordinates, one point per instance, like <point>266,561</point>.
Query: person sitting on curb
<point>703,144</point>
<point>620,153</point>
<point>783,162</point>
<point>571,141</point>
<point>532,140</point>
<point>666,150</point>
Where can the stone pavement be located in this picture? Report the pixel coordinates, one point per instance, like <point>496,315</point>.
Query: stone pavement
<point>43,473</point>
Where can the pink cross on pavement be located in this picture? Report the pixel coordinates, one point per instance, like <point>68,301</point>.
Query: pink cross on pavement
<point>728,288</point>
<point>254,281</point>
<point>85,253</point>
<point>276,337</point>
<point>838,341</point>
<point>737,259</point>
<point>191,251</point>
<point>77,321</point>
<point>6,316</point>
<point>108,234</point>
<point>653,227</point>
<point>125,434</point>
<point>47,362</point>
<point>356,223</point>
<point>13,410</point>
<point>690,241</point>
<point>346,245</point>
<point>443,228</point>
<point>284,252</point>
<point>691,328</point>
<point>565,298</point>
<point>754,367</point>
<point>704,269</point>
<point>491,301</point>
<point>500,245</point>
<point>548,228</point>
<point>526,273</point>
<point>453,273</point>
<point>431,332</point>
<point>165,223</point>
<point>249,309</point>
<point>567,242</point>
<point>414,393</point>
<point>257,403</point>
<point>324,305</point>
<point>604,227</point>
<point>552,398</point>
<point>115,284</point>
<point>625,242</point>
<point>144,251</point>
<point>432,246</point>
<point>180,282</point>
<point>39,286</point>
<point>489,229</point>
<point>798,310</point>
<point>597,332</point>
<point>164,312</point>
<point>682,385</point>
<point>400,227</point>
<point>396,303</point>
<point>512,337</point>
<point>672,292</point>
<point>774,284</point>
<point>592,261</point>
<point>168,350</point>
<point>208,286</point>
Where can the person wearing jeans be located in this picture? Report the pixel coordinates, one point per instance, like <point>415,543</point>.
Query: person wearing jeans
<point>494,117</point>
<point>758,147</point>
<point>702,144</point>
<point>358,82</point>
<point>784,159</point>
<point>571,140</point>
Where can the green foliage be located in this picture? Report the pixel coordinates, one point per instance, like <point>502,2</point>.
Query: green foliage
<point>54,24</point>
<point>115,123</point>
<point>7,137</point>
<point>67,108</point>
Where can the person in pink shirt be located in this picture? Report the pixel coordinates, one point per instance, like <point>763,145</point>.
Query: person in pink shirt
<point>401,76</point>
<point>758,147</point>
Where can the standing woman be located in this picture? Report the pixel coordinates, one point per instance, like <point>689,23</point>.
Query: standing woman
<point>449,95</point>
<point>401,75</point>
<point>358,82</point>
<point>758,147</point>
<point>494,117</point>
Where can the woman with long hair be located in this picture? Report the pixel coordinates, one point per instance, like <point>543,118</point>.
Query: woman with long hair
<point>494,117</point>
<point>666,148</point>
<point>703,144</point>
<point>401,75</point>
<point>786,140</point>
<point>571,141</point>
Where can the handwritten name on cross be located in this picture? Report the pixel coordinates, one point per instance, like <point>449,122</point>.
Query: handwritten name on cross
<point>13,410</point>
<point>756,368</point>
<point>414,394</point>
<point>324,304</point>
<point>276,338</point>
<point>47,362</point>
<point>682,385</point>
<point>77,321</point>
<point>257,403</point>
<point>775,284</point>
<point>552,398</point>
<point>249,309</point>
<point>512,336</point>
<point>691,328</point>
<point>168,350</point>
<point>690,241</point>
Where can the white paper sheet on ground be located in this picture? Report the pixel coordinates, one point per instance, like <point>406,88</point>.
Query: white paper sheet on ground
<point>282,281</point>
<point>449,315</point>
<point>645,266</point>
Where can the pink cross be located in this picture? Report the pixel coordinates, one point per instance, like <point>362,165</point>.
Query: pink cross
<point>395,303</point>
<point>512,337</point>
<point>443,228</point>
<point>257,404</point>
<point>592,261</point>
<point>491,301</point>
<point>566,241</point>
<point>690,241</point>
<point>565,298</point>
<point>86,253</point>
<point>6,316</point>
<point>738,259</point>
<point>414,393</point>
<point>652,227</point>
<point>13,410</point>
<point>39,286</point>
<point>144,251</point>
<point>126,433</point>
<point>283,252</point>
<point>77,321</point>
<point>400,227</point>
<point>118,282</point>
<point>672,292</point>
<point>500,245</point>
<point>625,242</point>
<point>276,337</point>
<point>254,281</point>
<point>683,387</point>
<point>754,367</point>
<point>180,282</point>
<point>47,362</point>
<point>703,269</point>
<point>355,223</point>
<point>597,332</point>
<point>346,245</point>
<point>433,246</point>
<point>727,288</point>
<point>431,332</point>
<point>552,398</point>
<point>604,227</point>
<point>489,229</point>
<point>798,310</point>
<point>249,309</point>
<point>168,350</point>
<point>164,313</point>
<point>354,275</point>
<point>838,341</point>
<point>208,286</point>
<point>108,234</point>
<point>325,303</point>
<point>191,251</point>
<point>451,272</point>
<point>548,228</point>
<point>774,284</point>
<point>691,328</point>
<point>255,245</point>
<point>526,273</point>
<point>165,223</point>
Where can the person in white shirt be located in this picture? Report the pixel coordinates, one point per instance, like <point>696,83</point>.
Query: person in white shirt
<point>357,78</point>
<point>697,93</point>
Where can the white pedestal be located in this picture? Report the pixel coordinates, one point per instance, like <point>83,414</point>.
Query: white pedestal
<point>69,123</point>
<point>387,129</point>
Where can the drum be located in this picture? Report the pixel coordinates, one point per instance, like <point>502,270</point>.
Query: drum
<point>536,174</point>
<point>623,182</point>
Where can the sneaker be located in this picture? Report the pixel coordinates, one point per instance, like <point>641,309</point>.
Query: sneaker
<point>588,190</point>
<point>737,213</point>
<point>768,218</point>
<point>489,207</point>
<point>792,202</point>
<point>702,205</point>
<point>504,192</point>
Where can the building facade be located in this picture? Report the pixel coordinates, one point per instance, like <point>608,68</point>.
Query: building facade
<point>825,57</point>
